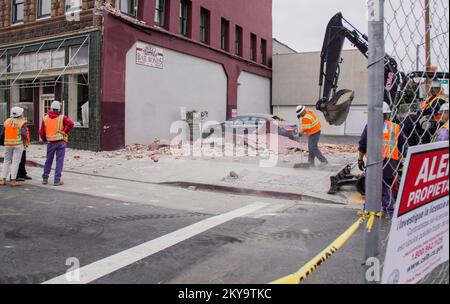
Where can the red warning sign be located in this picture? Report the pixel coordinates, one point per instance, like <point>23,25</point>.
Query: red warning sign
<point>426,179</point>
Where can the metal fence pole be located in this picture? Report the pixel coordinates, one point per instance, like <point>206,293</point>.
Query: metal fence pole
<point>374,172</point>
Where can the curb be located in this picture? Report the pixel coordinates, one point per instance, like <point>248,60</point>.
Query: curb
<point>212,187</point>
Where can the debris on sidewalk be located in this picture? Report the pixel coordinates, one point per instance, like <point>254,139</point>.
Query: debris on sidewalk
<point>233,174</point>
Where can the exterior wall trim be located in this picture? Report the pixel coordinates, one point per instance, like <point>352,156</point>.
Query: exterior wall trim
<point>147,28</point>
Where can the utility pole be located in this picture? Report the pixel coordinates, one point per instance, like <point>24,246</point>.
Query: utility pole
<point>374,173</point>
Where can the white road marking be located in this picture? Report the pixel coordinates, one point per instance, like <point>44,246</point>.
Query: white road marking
<point>101,268</point>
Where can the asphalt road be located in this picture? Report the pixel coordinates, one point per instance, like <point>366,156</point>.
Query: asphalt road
<point>40,228</point>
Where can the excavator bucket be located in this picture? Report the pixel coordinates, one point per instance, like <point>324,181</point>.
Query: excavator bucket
<point>336,113</point>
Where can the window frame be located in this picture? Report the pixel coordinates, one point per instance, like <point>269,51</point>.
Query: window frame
<point>39,14</point>
<point>263,51</point>
<point>238,40</point>
<point>21,89</point>
<point>160,12</point>
<point>253,47</point>
<point>225,34</point>
<point>135,8</point>
<point>205,17</point>
<point>68,9</point>
<point>14,5</point>
<point>185,7</point>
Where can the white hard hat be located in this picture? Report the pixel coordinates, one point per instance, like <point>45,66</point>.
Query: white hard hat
<point>16,112</point>
<point>300,110</point>
<point>56,105</point>
<point>436,84</point>
<point>444,107</point>
<point>386,108</point>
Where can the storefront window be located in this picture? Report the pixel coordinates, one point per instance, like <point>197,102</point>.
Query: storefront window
<point>3,104</point>
<point>81,57</point>
<point>26,91</point>
<point>22,95</point>
<point>2,65</point>
<point>79,99</point>
<point>41,60</point>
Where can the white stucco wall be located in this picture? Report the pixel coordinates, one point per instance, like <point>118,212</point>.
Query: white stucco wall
<point>253,94</point>
<point>296,78</point>
<point>154,96</point>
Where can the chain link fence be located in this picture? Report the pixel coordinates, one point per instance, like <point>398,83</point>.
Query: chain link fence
<point>416,43</point>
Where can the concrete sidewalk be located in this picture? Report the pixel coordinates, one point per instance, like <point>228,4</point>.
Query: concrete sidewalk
<point>246,172</point>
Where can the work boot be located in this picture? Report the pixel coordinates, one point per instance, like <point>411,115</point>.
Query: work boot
<point>15,183</point>
<point>323,165</point>
<point>45,181</point>
<point>3,182</point>
<point>60,183</point>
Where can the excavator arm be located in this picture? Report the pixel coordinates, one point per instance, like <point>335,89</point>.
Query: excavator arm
<point>336,113</point>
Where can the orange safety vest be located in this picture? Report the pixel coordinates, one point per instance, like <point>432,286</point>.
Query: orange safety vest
<point>54,129</point>
<point>13,135</point>
<point>391,133</point>
<point>310,124</point>
<point>430,101</point>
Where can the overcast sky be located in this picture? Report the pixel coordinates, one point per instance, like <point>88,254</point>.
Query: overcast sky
<point>301,24</point>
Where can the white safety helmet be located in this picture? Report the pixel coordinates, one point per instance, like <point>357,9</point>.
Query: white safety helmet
<point>300,110</point>
<point>436,84</point>
<point>386,108</point>
<point>16,112</point>
<point>56,105</point>
<point>444,107</point>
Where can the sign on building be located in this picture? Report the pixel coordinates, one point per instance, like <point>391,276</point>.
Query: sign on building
<point>149,55</point>
<point>419,235</point>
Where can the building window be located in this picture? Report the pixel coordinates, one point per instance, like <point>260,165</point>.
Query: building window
<point>78,106</point>
<point>185,7</point>
<point>43,8</point>
<point>225,35</point>
<point>73,6</point>
<point>26,91</point>
<point>204,25</point>
<point>263,51</point>
<point>17,11</point>
<point>238,47</point>
<point>3,104</point>
<point>160,12</point>
<point>128,7</point>
<point>79,55</point>
<point>253,47</point>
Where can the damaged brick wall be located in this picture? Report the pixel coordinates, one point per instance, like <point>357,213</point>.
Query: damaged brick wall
<point>33,28</point>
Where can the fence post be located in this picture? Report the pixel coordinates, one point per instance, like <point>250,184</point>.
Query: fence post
<point>374,172</point>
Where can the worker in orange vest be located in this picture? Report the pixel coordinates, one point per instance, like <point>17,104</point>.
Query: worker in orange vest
<point>394,144</point>
<point>311,126</point>
<point>16,138</point>
<point>433,104</point>
<point>54,130</point>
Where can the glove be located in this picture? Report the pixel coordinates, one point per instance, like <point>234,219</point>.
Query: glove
<point>361,165</point>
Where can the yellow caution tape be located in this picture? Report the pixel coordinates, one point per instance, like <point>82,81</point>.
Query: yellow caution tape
<point>311,266</point>
<point>371,219</point>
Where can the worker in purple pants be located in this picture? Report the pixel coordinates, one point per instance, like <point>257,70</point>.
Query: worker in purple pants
<point>54,130</point>
<point>57,149</point>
